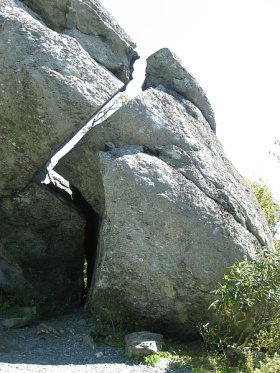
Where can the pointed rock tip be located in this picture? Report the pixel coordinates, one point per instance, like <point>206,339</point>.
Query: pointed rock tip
<point>165,68</point>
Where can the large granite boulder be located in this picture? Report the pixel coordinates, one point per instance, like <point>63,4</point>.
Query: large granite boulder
<point>49,87</point>
<point>95,29</point>
<point>164,245</point>
<point>176,213</point>
<point>172,128</point>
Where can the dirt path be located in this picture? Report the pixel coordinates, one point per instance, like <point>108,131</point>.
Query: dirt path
<point>62,345</point>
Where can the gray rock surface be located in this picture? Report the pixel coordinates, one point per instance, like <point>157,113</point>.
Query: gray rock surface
<point>26,317</point>
<point>190,199</point>
<point>90,23</point>
<point>17,322</point>
<point>175,212</point>
<point>165,68</point>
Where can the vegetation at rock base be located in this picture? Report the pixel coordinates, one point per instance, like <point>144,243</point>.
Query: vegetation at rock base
<point>184,356</point>
<point>270,208</point>
<point>245,334</point>
<point>114,338</point>
<point>247,310</point>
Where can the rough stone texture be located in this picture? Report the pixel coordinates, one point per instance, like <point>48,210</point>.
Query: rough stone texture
<point>95,29</point>
<point>41,247</point>
<point>17,322</point>
<point>49,87</point>
<point>141,344</point>
<point>165,68</point>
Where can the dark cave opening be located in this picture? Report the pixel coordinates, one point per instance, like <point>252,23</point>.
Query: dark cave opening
<point>91,231</point>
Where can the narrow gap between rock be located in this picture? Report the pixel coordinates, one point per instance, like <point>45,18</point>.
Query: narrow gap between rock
<point>47,177</point>
<point>92,219</point>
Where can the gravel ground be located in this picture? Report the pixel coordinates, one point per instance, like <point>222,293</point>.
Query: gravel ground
<point>62,346</point>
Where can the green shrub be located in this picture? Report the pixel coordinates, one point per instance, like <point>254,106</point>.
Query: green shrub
<point>269,206</point>
<point>248,306</point>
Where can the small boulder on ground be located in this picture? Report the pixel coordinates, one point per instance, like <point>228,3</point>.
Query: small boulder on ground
<point>141,344</point>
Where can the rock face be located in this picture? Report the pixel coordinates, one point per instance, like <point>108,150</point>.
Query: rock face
<point>171,128</point>
<point>49,87</point>
<point>166,251</point>
<point>27,317</point>
<point>90,23</point>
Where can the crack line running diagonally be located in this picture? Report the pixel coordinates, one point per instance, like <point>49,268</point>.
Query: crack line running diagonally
<point>98,117</point>
<point>50,179</point>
